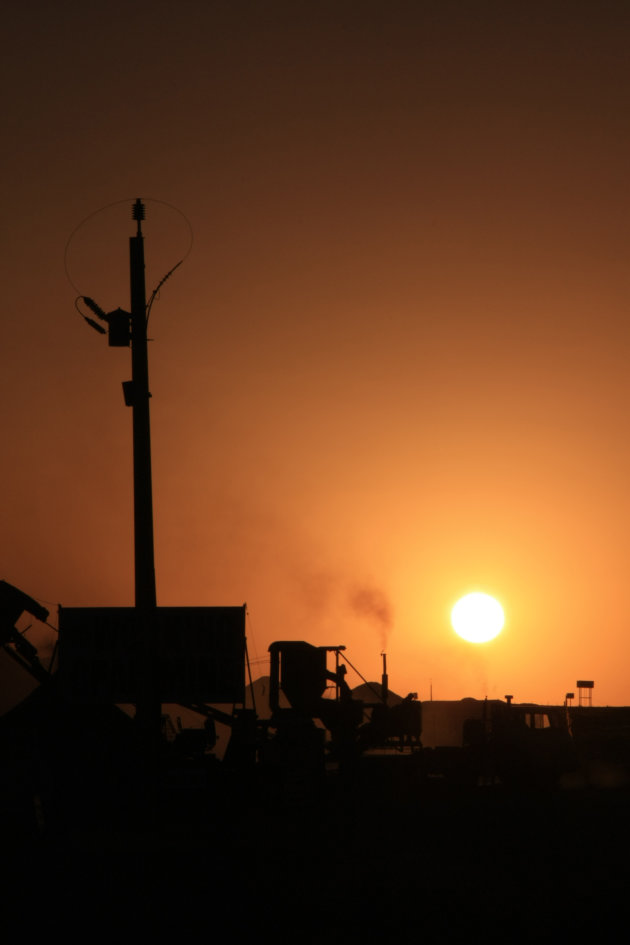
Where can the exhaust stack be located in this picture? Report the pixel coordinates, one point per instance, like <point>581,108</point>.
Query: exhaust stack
<point>384,682</point>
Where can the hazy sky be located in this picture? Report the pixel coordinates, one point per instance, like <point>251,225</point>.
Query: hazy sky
<point>393,367</point>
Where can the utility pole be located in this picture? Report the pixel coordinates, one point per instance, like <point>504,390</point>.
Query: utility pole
<point>139,391</point>
<point>137,394</point>
<point>127,329</point>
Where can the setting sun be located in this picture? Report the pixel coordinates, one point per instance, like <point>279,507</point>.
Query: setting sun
<point>477,618</point>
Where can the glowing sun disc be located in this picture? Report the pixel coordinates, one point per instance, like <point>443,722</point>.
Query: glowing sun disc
<point>477,618</point>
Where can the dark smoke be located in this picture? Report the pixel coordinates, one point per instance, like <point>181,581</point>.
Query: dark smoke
<point>374,604</point>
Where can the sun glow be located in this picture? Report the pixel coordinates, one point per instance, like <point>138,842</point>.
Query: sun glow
<point>477,618</point>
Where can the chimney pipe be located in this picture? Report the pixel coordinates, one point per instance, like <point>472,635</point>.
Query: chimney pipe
<point>384,684</point>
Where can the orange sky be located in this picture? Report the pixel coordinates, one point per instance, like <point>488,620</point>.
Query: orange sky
<point>394,365</point>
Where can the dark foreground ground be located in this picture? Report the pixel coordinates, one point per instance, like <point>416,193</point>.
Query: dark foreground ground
<point>366,862</point>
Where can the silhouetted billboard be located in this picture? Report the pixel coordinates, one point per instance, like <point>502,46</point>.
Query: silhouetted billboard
<point>198,654</point>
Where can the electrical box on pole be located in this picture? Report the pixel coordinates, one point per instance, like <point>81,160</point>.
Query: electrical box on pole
<point>119,329</point>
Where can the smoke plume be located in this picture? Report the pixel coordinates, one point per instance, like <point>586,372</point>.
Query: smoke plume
<point>373,603</point>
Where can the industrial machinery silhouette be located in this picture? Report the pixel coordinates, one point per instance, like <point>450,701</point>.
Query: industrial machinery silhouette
<point>316,729</point>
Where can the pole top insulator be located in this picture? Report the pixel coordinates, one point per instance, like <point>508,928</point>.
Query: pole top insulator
<point>138,210</point>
